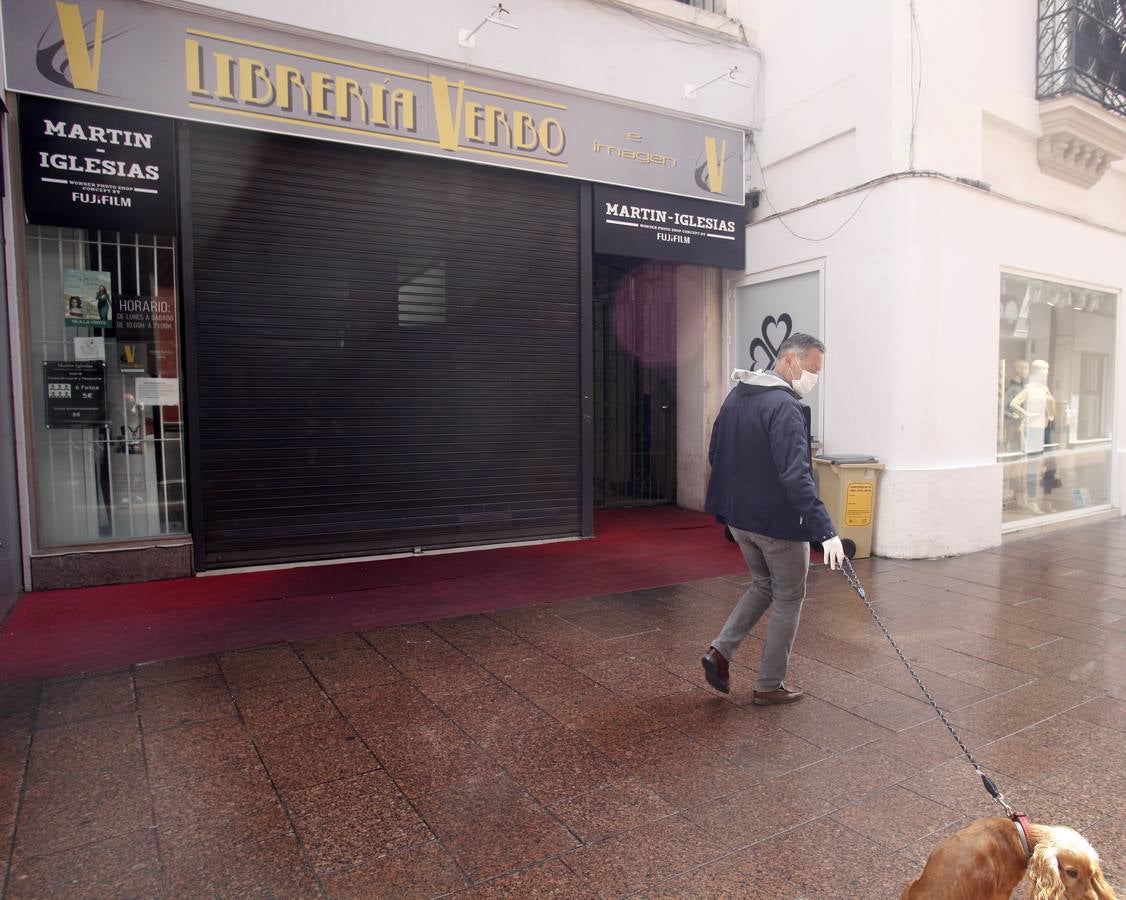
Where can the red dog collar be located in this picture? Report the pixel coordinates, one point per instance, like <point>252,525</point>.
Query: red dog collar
<point>1021,822</point>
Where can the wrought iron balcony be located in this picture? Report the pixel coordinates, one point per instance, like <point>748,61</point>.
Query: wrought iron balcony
<point>1081,49</point>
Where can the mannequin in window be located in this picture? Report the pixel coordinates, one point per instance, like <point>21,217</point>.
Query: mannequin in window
<point>1036,408</point>
<point>1015,482</point>
<point>1012,418</point>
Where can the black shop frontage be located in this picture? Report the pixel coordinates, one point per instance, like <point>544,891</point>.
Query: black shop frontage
<point>278,311</point>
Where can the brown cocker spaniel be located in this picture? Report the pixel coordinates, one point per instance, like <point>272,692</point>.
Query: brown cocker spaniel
<point>985,861</point>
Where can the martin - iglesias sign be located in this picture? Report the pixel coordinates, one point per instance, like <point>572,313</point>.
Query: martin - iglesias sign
<point>676,229</point>
<point>91,167</point>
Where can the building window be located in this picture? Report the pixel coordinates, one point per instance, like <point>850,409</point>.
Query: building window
<point>1056,384</point>
<point>716,6</point>
<point>1080,51</point>
<point>768,312</point>
<point>105,349</point>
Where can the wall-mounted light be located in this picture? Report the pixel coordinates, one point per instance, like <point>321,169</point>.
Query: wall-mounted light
<point>467,38</point>
<point>691,90</point>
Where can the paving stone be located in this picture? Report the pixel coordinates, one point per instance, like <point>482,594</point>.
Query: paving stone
<point>575,751</point>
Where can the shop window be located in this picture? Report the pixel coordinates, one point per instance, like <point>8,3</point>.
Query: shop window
<point>105,350</point>
<point>1056,387</point>
<point>422,293</point>
<point>1093,412</point>
<point>768,312</point>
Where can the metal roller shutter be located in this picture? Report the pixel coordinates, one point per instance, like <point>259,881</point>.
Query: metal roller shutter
<point>385,350</point>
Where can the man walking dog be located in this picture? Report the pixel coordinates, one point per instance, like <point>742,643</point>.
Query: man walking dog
<point>762,486</point>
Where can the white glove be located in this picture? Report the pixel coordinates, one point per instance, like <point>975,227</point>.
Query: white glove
<point>833,552</point>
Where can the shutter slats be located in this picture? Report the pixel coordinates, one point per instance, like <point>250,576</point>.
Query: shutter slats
<point>387,349</point>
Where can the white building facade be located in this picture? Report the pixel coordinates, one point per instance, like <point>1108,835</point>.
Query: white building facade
<point>365,320</point>
<point>291,282</point>
<point>960,244</point>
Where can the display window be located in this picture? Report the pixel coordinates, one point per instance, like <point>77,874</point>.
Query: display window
<point>1055,397</point>
<point>768,309</point>
<point>104,347</point>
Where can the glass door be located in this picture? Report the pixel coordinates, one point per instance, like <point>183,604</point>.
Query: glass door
<point>634,382</point>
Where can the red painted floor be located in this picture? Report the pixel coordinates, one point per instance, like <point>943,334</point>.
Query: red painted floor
<point>62,632</point>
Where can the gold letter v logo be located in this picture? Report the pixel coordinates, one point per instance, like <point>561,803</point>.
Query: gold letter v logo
<point>717,162</point>
<point>83,70</point>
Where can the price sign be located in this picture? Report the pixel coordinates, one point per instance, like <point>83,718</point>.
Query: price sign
<point>75,393</point>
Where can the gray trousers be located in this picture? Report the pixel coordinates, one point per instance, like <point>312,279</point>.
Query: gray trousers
<point>779,570</point>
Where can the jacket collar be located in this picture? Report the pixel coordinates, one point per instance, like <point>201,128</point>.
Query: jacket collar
<point>768,379</point>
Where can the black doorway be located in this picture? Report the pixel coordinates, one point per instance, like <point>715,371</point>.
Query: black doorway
<point>634,382</point>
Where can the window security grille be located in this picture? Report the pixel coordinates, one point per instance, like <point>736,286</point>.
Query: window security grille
<point>716,6</point>
<point>1081,49</point>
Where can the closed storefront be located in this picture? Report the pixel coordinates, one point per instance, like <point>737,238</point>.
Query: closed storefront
<point>288,300</point>
<point>387,350</point>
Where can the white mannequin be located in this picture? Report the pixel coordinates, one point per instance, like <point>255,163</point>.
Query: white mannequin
<point>1036,408</point>
<point>1012,434</point>
<point>1015,385</point>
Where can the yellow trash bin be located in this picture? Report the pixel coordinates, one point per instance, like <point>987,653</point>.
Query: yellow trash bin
<point>847,487</point>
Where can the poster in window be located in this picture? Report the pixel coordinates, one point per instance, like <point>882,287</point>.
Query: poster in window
<point>75,392</point>
<point>90,348</point>
<point>86,297</point>
<point>132,358</point>
<point>768,312</point>
<point>145,318</point>
<point>158,391</point>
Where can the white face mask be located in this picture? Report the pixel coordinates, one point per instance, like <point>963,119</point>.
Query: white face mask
<point>805,384</point>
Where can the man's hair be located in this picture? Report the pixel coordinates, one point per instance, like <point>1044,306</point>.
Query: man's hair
<point>801,343</point>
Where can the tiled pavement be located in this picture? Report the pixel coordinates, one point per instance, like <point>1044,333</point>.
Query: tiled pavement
<point>573,751</point>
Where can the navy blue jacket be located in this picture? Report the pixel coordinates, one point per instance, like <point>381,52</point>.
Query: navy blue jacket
<point>761,478</point>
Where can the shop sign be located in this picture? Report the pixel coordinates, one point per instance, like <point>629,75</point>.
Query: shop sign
<point>675,229</point>
<point>174,62</point>
<point>91,167</point>
<point>75,393</point>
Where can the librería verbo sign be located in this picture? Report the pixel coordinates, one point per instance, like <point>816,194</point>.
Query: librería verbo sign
<point>173,62</point>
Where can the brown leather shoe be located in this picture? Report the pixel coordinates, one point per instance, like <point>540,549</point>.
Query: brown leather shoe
<point>716,670</point>
<point>773,698</point>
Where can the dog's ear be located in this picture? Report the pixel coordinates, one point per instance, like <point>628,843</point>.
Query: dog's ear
<point>1102,887</point>
<point>1044,872</point>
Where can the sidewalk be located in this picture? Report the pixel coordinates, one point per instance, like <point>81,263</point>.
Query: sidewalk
<point>572,749</point>
<point>67,632</point>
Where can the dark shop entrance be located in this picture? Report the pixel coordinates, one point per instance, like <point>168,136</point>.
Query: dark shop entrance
<point>634,382</point>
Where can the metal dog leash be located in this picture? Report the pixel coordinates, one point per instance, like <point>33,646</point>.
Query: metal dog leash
<point>994,791</point>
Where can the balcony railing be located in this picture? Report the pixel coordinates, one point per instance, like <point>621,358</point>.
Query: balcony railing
<point>1081,49</point>
<point>716,6</point>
